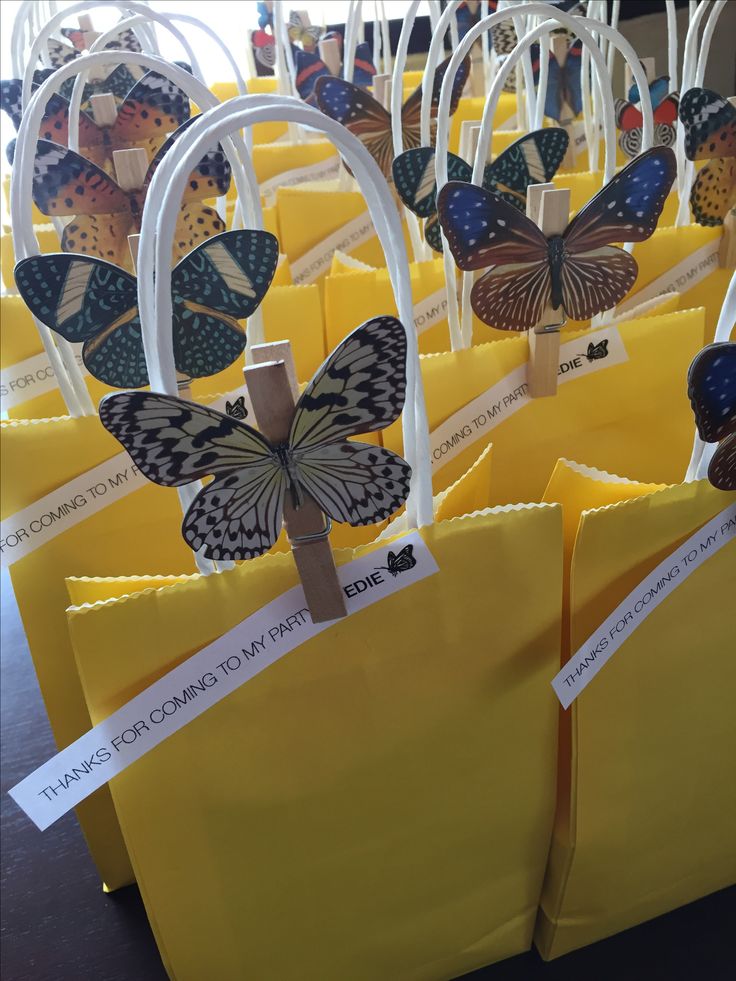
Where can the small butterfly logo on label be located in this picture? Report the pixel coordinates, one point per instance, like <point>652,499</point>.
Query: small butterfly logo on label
<point>237,409</point>
<point>597,351</point>
<point>401,562</point>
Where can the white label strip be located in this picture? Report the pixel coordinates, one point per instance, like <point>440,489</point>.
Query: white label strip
<point>317,260</point>
<point>323,170</point>
<point>681,277</point>
<point>27,379</point>
<point>73,502</point>
<point>201,681</point>
<point>616,629</point>
<point>430,311</point>
<point>583,356</point>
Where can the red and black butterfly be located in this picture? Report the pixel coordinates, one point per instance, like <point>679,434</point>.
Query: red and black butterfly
<point>366,118</point>
<point>580,270</point>
<point>630,121</point>
<point>710,134</point>
<point>103,214</point>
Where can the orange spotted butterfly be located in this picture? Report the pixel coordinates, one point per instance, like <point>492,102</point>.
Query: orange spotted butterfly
<point>712,390</point>
<point>152,109</point>
<point>710,134</point>
<point>580,270</point>
<point>371,123</point>
<point>103,214</point>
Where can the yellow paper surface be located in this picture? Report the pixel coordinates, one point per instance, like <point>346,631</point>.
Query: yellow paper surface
<point>262,132</point>
<point>355,295</point>
<point>141,532</point>
<point>358,778</point>
<point>613,418</point>
<point>646,805</point>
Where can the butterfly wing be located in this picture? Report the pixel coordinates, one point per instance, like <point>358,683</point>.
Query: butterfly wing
<point>103,236</point>
<point>628,116</point>
<point>173,442</point>
<point>572,90</point>
<point>363,67</point>
<point>358,483</point>
<point>628,208</point>
<point>666,112</point>
<point>360,388</point>
<point>359,112</point>
<point>196,223</point>
<point>596,280</point>
<point>722,467</point>
<point>309,67</point>
<point>533,159</point>
<point>554,93</point>
<point>153,107</point>
<point>220,282</point>
<point>713,192</point>
<point>64,183</point>
<point>711,386</point>
<point>414,177</point>
<point>710,125</point>
<point>411,110</point>
<point>75,296</point>
<point>658,89</point>
<point>61,53</point>
<point>209,179</point>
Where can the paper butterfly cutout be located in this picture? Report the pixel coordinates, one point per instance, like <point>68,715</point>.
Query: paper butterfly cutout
<point>103,214</point>
<point>61,53</point>
<point>265,14</point>
<point>711,385</point>
<point>564,93</point>
<point>579,270</point>
<point>366,118</point>
<point>630,121</point>
<point>236,409</point>
<point>504,38</point>
<point>710,134</point>
<point>468,15</point>
<point>304,34</point>
<point>596,352</point>
<point>87,300</point>
<point>264,51</point>
<point>359,389</point>
<point>533,159</point>
<point>310,67</point>
<point>401,561</point>
<point>153,108</point>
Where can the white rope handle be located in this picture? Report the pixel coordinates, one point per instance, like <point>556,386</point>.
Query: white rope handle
<point>154,291</point>
<point>703,452</point>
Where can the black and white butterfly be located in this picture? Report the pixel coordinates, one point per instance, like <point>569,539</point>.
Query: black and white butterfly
<point>359,389</point>
<point>236,409</point>
<point>597,352</point>
<point>400,561</point>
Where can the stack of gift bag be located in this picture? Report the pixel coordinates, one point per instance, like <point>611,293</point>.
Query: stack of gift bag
<point>436,367</point>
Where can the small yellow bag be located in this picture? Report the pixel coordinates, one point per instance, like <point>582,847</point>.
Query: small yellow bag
<point>646,808</point>
<point>607,410</point>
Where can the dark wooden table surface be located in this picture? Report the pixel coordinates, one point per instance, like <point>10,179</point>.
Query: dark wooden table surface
<point>57,925</point>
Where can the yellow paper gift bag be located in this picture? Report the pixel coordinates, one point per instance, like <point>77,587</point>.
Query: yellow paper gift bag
<point>607,409</point>
<point>364,772</point>
<point>139,530</point>
<point>646,807</point>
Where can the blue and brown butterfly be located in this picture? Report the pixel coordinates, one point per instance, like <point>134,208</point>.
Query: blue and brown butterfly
<point>89,301</point>
<point>580,271</point>
<point>711,385</point>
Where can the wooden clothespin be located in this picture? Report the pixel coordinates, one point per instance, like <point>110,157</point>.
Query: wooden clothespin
<point>648,64</point>
<point>549,207</point>
<point>477,74</point>
<point>567,116</point>
<point>379,85</point>
<point>273,393</point>
<point>727,250</point>
<point>89,34</point>
<point>329,52</point>
<point>131,167</point>
<point>104,109</point>
<point>386,99</point>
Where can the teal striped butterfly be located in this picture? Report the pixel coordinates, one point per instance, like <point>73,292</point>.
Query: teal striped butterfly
<point>88,300</point>
<point>533,159</point>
